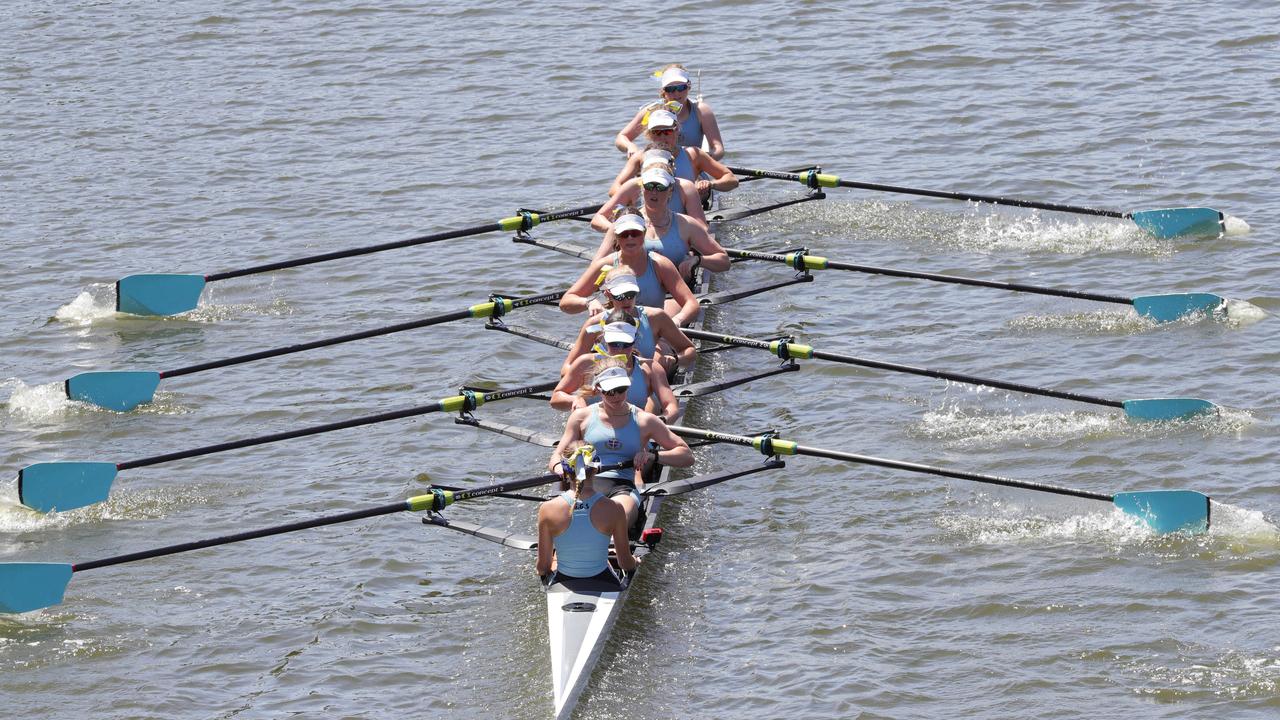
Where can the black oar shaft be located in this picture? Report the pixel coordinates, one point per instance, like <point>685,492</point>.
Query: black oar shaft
<point>993,199</point>
<point>373,332</point>
<point>420,240</point>
<point>935,277</point>
<point>238,537</point>
<point>790,448</point>
<point>444,405</point>
<point>807,352</point>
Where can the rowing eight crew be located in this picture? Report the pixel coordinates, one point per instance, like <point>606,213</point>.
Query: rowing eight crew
<point>615,378</point>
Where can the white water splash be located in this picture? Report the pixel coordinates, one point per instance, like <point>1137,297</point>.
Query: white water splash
<point>1241,313</point>
<point>39,403</point>
<point>96,304</point>
<point>1097,322</point>
<point>146,504</point>
<point>1233,225</point>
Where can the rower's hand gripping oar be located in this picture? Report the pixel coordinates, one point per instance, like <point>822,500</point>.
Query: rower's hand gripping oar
<point>1143,409</point>
<point>1164,511</point>
<point>123,390</point>
<point>170,294</point>
<point>1160,308</point>
<point>50,486</point>
<point>27,586</point>
<point>1163,223</point>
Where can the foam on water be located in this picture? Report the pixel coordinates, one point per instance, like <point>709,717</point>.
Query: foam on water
<point>1241,313</point>
<point>48,403</point>
<point>1193,670</point>
<point>122,505</point>
<point>97,304</point>
<point>1096,322</point>
<point>982,231</point>
<point>1235,226</point>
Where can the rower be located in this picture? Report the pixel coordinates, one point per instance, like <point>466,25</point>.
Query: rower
<point>578,524</point>
<point>691,163</point>
<point>655,275</point>
<point>647,379</point>
<point>697,121</point>
<point>620,431</point>
<point>657,336</point>
<point>626,191</point>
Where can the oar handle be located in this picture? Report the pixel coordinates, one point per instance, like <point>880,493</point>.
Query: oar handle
<point>777,446</point>
<point>248,535</point>
<point>804,261</point>
<point>800,351</point>
<point>449,404</point>
<point>830,180</point>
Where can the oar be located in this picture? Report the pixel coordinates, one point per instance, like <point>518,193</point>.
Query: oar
<point>1161,308</point>
<point>1145,409</point>
<point>1164,511</point>
<point>50,486</point>
<point>170,294</point>
<point>27,586</point>
<point>1163,223</point>
<point>125,390</point>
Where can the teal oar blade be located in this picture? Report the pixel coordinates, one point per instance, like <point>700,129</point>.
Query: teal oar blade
<point>64,485</point>
<point>158,294</point>
<point>31,585</point>
<point>1167,511</point>
<point>1168,408</point>
<point>122,391</point>
<point>1173,222</point>
<point>1167,308</point>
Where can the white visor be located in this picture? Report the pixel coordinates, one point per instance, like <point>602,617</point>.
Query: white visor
<point>661,119</point>
<point>674,76</point>
<point>619,284</point>
<point>613,378</point>
<point>619,332</point>
<point>628,222</point>
<point>657,175</point>
<point>656,155</point>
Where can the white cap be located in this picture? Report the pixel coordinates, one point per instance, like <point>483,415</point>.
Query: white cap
<point>661,118</point>
<point>674,76</point>
<point>658,175</point>
<point>619,284</point>
<point>656,155</point>
<point>628,222</point>
<point>613,378</point>
<point>619,332</point>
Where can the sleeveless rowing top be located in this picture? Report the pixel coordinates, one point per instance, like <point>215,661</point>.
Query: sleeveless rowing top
<point>684,166</point>
<point>581,550</point>
<point>669,244</point>
<point>652,293</point>
<point>646,345</point>
<point>613,445</point>
<point>676,203</point>
<point>691,127</point>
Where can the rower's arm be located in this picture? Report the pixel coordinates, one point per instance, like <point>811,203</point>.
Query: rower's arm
<point>714,257</point>
<point>692,203</point>
<point>665,329</point>
<point>723,178</point>
<point>668,406</point>
<point>602,221</point>
<point>578,296</point>
<point>675,452</point>
<point>572,433</point>
<point>711,131</point>
<point>630,169</point>
<point>625,139</point>
<point>581,345</point>
<point>621,540</point>
<point>546,542</point>
<point>680,292</point>
<point>565,396</point>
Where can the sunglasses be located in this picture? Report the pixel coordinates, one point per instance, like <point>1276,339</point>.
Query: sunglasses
<point>662,131</point>
<point>676,88</point>
<point>655,185</point>
<point>621,345</point>
<point>630,234</point>
<point>614,392</point>
<point>632,295</point>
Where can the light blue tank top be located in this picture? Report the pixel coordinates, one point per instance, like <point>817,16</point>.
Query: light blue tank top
<point>646,345</point>
<point>684,166</point>
<point>581,550</point>
<point>691,127</point>
<point>676,203</point>
<point>670,245</point>
<point>652,293</point>
<point>613,446</point>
